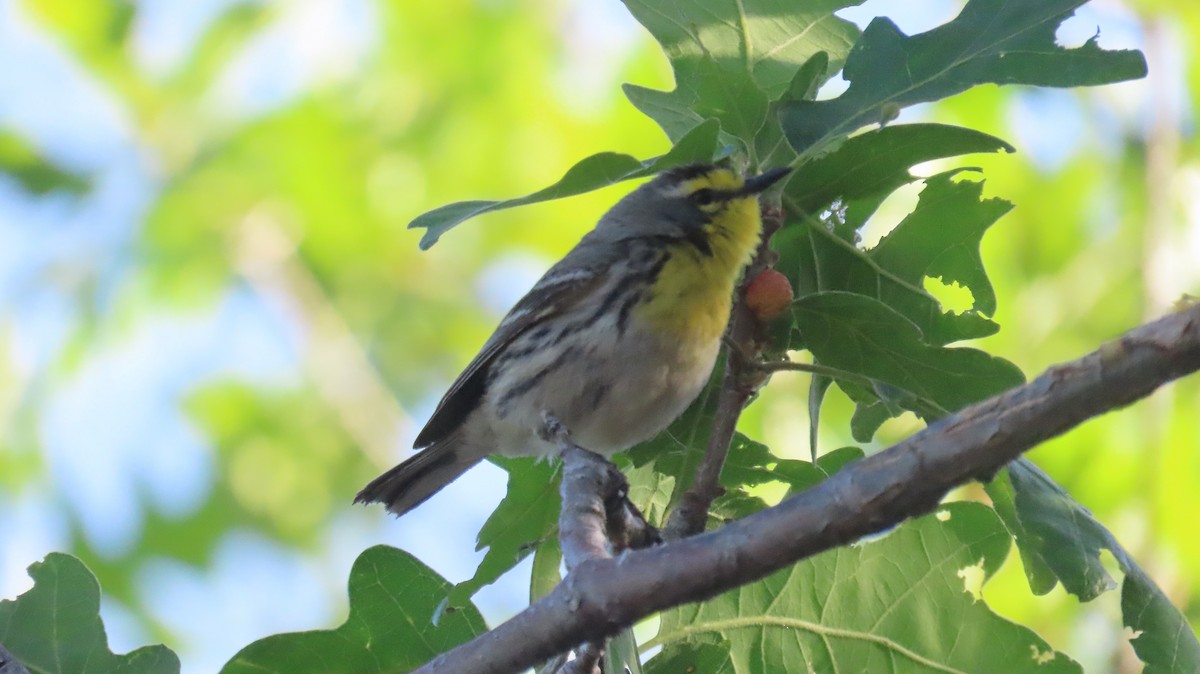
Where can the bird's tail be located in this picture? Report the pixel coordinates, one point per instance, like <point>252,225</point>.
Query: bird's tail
<point>408,485</point>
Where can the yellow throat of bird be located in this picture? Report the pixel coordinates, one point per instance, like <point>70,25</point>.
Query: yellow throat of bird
<point>693,293</point>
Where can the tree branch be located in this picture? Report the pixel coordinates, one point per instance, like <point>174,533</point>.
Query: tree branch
<point>596,521</point>
<point>600,597</point>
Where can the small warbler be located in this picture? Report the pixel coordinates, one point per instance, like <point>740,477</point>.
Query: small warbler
<point>615,341</point>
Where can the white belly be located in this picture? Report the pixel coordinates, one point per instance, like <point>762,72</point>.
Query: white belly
<point>610,396</point>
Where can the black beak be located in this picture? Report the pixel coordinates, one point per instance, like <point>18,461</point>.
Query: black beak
<point>761,182</point>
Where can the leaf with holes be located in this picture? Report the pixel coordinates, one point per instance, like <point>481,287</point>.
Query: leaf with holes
<point>1064,537</point>
<point>991,41</point>
<point>817,260</point>
<point>865,169</point>
<point>941,237</point>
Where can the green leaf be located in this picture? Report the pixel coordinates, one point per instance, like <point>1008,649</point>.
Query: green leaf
<point>797,475</point>
<point>766,40</point>
<point>706,92</point>
<point>736,102</point>
<point>817,386</point>
<point>902,603</point>
<point>393,598</point>
<point>817,260</point>
<point>991,41</point>
<point>676,452</point>
<point>941,238</point>
<point>802,475</point>
<point>731,57</point>
<point>692,657</point>
<point>34,173</point>
<point>1039,574</point>
<point>1164,639</point>
<point>733,505</point>
<point>770,146</point>
<point>808,79</point>
<point>650,489</point>
<point>873,164</point>
<point>9,663</point>
<point>862,335</point>
<point>526,516</point>
<point>670,109</point>
<point>621,654</point>
<point>55,627</point>
<point>545,575</point>
<point>592,173</point>
<point>1065,536</point>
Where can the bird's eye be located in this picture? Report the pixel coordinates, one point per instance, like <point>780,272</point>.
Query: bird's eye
<point>704,196</point>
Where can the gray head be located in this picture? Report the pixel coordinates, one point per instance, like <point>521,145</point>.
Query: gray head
<point>678,202</point>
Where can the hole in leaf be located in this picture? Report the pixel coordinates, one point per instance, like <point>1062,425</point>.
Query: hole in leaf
<point>973,577</point>
<point>833,88</point>
<point>894,208</point>
<point>1042,657</point>
<point>953,297</point>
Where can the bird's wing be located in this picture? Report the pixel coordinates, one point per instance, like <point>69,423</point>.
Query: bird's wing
<point>557,292</point>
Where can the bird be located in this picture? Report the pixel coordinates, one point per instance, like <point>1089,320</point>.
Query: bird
<point>613,342</point>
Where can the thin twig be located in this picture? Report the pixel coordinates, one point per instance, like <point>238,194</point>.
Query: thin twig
<point>602,596</point>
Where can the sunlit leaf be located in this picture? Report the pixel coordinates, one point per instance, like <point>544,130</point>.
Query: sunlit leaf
<point>393,598</point>
<point>903,603</point>
<point>991,41</point>
<point>767,40</point>
<point>873,164</point>
<point>55,627</point>
<point>621,654</point>
<point>731,58</point>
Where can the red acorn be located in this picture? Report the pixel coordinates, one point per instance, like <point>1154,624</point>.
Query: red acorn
<point>768,295</point>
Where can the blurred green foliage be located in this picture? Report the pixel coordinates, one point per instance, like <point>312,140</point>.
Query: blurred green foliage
<point>309,199</point>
